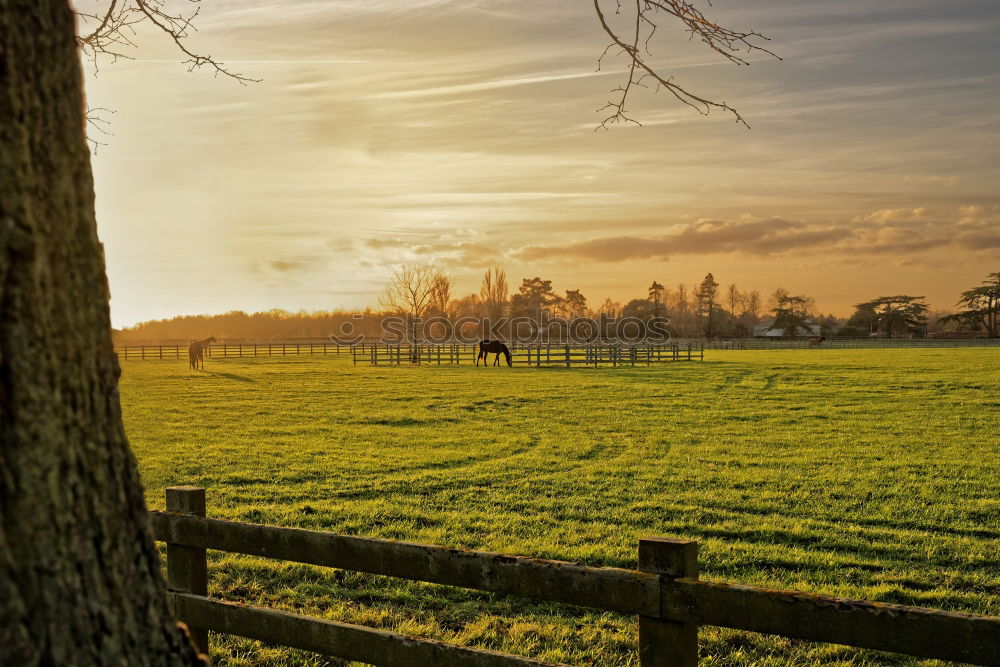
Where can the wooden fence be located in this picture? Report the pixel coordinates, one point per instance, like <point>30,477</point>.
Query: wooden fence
<point>226,350</point>
<point>664,592</point>
<point>841,343</point>
<point>529,355</point>
<point>321,347</point>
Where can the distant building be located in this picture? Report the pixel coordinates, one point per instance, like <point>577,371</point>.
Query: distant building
<point>761,330</point>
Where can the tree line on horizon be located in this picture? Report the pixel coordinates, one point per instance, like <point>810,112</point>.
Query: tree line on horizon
<point>702,309</point>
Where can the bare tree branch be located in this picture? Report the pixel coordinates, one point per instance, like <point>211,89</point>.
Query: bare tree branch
<point>95,123</point>
<point>734,45</point>
<point>115,31</point>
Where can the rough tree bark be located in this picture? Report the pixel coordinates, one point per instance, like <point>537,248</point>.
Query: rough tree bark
<point>79,575</point>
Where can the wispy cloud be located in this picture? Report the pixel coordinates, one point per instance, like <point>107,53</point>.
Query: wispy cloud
<point>887,231</point>
<point>487,85</point>
<point>381,130</point>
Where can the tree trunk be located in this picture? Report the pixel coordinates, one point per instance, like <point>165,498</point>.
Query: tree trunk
<point>991,309</point>
<point>80,579</point>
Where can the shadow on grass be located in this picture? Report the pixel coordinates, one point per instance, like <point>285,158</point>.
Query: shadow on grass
<point>231,376</point>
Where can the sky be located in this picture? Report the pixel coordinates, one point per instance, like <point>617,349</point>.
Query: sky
<point>463,133</point>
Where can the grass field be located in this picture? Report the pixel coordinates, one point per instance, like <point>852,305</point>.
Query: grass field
<point>865,473</point>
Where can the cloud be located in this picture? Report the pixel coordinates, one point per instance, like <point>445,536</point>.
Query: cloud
<point>943,181</point>
<point>896,232</point>
<point>450,249</point>
<point>486,85</point>
<point>888,215</point>
<point>748,237</point>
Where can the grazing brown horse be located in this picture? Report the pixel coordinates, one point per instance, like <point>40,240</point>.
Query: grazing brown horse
<point>196,352</point>
<point>487,347</point>
<point>816,342</point>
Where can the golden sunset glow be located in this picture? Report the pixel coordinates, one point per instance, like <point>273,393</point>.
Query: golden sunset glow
<point>463,133</point>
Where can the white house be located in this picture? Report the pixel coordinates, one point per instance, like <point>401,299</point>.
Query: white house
<point>761,330</point>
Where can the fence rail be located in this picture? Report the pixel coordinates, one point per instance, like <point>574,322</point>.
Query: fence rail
<point>664,591</point>
<point>227,350</point>
<point>529,355</point>
<point>300,348</point>
<point>843,343</point>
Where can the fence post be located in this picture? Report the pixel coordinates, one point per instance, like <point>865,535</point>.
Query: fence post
<point>187,569</point>
<point>668,643</point>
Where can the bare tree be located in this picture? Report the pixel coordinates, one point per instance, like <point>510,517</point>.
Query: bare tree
<point>681,311</point>
<point>777,296</point>
<point>752,306</point>
<point>631,34</point>
<point>412,290</point>
<point>749,311</point>
<point>469,305</point>
<point>734,298</point>
<point>441,297</point>
<point>610,308</point>
<point>494,292</point>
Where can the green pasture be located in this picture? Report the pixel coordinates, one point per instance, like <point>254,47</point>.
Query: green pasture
<point>871,474</point>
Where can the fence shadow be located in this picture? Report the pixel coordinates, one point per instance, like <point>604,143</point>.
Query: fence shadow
<point>231,376</point>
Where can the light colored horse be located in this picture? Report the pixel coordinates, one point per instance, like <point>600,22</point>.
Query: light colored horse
<point>196,352</point>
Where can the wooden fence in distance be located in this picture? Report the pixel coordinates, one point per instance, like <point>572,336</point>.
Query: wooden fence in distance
<point>529,355</point>
<point>664,592</point>
<point>326,347</point>
<point>834,343</point>
<point>226,350</point>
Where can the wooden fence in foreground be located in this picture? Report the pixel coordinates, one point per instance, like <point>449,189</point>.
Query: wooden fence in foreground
<point>664,592</point>
<point>529,355</point>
